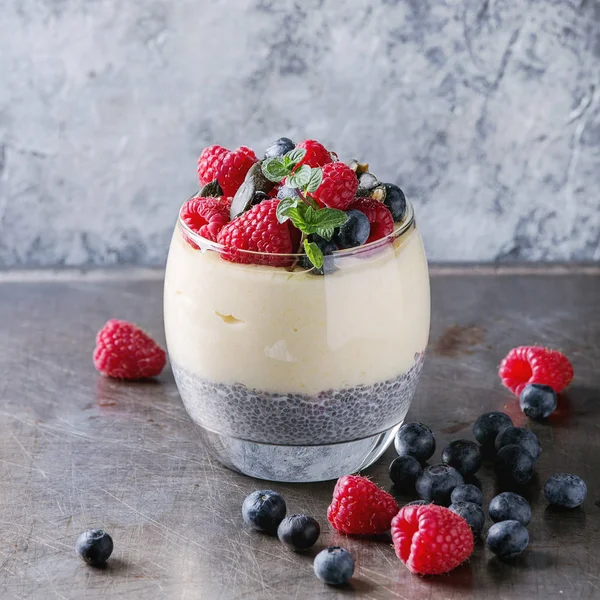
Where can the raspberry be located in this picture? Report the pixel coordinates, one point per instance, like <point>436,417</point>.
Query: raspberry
<point>535,364</point>
<point>316,154</point>
<point>228,168</point>
<point>431,539</point>
<point>360,507</point>
<point>124,351</point>
<point>206,216</point>
<point>338,186</point>
<point>379,215</point>
<point>258,230</point>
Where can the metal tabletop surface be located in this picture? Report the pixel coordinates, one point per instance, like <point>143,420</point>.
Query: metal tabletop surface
<point>78,450</point>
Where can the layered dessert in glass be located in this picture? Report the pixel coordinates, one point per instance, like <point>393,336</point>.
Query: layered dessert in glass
<point>296,311</point>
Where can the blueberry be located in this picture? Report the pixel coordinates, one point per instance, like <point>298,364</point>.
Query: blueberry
<point>279,147</point>
<point>564,489</point>
<point>437,482</point>
<point>298,532</point>
<point>467,493</point>
<point>514,464</point>
<point>327,247</point>
<point>463,455</point>
<point>395,200</point>
<point>521,437</point>
<point>508,506</point>
<point>263,510</point>
<point>94,546</point>
<point>538,401</point>
<point>404,471</point>
<point>507,539</point>
<point>488,426</point>
<point>415,439</point>
<point>471,513</point>
<point>354,232</point>
<point>334,565</point>
<point>287,192</point>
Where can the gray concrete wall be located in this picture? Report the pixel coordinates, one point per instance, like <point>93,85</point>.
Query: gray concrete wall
<point>487,112</point>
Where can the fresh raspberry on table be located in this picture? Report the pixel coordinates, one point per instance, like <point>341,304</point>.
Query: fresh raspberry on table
<point>431,539</point>
<point>316,154</point>
<point>124,351</point>
<point>258,230</point>
<point>360,507</point>
<point>206,216</point>
<point>535,364</point>
<point>379,215</point>
<point>228,168</point>
<point>338,186</point>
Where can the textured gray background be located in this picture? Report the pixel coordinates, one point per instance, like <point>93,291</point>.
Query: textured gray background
<point>487,112</point>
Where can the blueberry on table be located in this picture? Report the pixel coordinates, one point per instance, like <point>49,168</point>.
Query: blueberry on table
<point>264,510</point>
<point>463,455</point>
<point>509,506</point>
<point>94,546</point>
<point>437,482</point>
<point>279,147</point>
<point>487,427</point>
<point>467,493</point>
<point>415,439</point>
<point>564,489</point>
<point>395,200</point>
<point>298,532</point>
<point>471,513</point>
<point>538,401</point>
<point>521,437</point>
<point>334,565</point>
<point>354,232</point>
<point>514,464</point>
<point>507,539</point>
<point>404,472</point>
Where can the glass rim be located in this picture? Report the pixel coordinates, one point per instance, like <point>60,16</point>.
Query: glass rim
<point>205,244</point>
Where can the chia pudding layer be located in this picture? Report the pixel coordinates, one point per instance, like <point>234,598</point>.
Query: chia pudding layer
<point>329,417</point>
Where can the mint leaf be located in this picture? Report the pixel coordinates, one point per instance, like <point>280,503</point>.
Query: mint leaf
<point>299,178</point>
<point>275,169</point>
<point>326,233</point>
<point>296,214</point>
<point>327,218</point>
<point>316,177</point>
<point>284,207</point>
<point>310,217</point>
<point>295,156</point>
<point>314,253</point>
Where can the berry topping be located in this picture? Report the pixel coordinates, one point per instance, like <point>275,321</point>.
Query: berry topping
<point>415,439</point>
<point>471,513</point>
<point>395,200</point>
<point>488,426</point>
<point>431,540</point>
<point>360,507</point>
<point>437,482</point>
<point>264,510</point>
<point>94,546</point>
<point>354,232</point>
<point>338,186</point>
<point>509,506</point>
<point>404,472</point>
<point>467,493</point>
<point>316,154</point>
<point>534,364</point>
<point>538,401</point>
<point>334,565</point>
<point>279,147</point>
<point>298,532</point>
<point>463,455</point>
<point>514,464</point>
<point>522,437</point>
<point>564,489</point>
<point>206,216</point>
<point>124,351</point>
<point>382,222</point>
<point>228,168</point>
<point>258,230</point>
<point>507,539</point>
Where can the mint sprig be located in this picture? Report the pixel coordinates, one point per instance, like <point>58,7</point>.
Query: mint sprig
<point>277,168</point>
<point>322,221</point>
<point>314,254</point>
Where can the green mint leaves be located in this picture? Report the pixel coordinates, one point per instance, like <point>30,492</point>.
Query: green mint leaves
<point>278,167</point>
<point>314,253</point>
<point>308,220</point>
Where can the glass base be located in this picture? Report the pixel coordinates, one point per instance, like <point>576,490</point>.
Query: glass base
<point>297,464</point>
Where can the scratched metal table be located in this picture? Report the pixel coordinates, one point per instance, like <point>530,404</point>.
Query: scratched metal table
<point>79,451</point>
